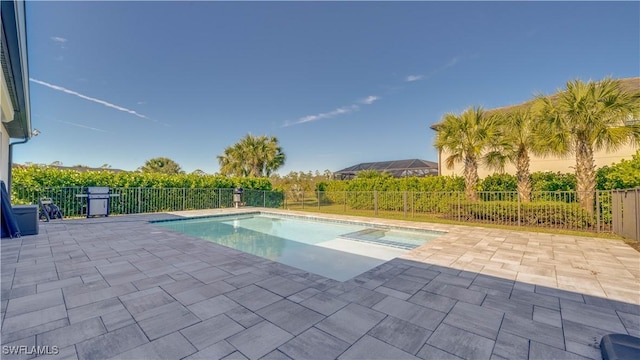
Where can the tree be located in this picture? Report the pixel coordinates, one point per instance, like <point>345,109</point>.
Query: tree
<point>517,138</point>
<point>465,138</point>
<point>161,165</point>
<point>253,156</point>
<point>588,117</point>
<point>373,174</point>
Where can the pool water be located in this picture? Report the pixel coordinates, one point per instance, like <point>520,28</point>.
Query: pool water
<point>338,251</point>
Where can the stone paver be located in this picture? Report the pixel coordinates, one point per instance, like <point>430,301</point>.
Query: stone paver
<point>401,334</point>
<point>120,287</point>
<point>314,344</point>
<point>211,331</point>
<point>351,322</point>
<point>259,339</point>
<point>373,349</point>
<point>461,343</point>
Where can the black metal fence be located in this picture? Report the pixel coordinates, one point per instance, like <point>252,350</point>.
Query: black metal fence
<point>556,210</point>
<point>549,209</point>
<point>146,200</point>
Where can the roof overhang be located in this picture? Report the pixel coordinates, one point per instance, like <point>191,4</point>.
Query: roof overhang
<point>16,116</point>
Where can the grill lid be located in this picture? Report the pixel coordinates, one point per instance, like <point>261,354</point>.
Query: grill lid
<point>97,190</point>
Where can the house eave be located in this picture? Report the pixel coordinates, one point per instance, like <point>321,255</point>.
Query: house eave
<point>15,71</point>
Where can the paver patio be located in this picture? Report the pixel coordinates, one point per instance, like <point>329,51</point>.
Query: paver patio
<point>120,287</point>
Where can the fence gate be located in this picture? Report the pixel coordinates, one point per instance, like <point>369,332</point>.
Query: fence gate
<point>626,213</point>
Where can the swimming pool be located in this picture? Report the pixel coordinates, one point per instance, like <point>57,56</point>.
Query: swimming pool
<point>338,250</point>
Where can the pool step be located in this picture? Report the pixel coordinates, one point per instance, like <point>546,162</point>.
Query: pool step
<point>375,236</point>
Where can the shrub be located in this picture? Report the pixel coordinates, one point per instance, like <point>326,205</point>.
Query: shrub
<point>550,181</point>
<point>543,213</point>
<point>622,175</point>
<point>499,182</point>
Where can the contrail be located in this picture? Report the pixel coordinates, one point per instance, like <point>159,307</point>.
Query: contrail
<point>105,103</point>
<point>83,126</point>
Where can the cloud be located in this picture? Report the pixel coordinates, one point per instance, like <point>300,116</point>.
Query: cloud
<point>105,103</point>
<point>59,39</point>
<point>339,111</point>
<point>83,126</point>
<point>370,100</point>
<point>452,62</point>
<point>141,102</point>
<point>327,115</point>
<point>411,78</point>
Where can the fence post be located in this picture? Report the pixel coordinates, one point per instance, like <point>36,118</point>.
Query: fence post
<point>139,200</point>
<point>413,206</point>
<point>637,212</point>
<point>345,201</point>
<point>597,211</point>
<point>302,199</point>
<point>219,200</point>
<point>264,198</point>
<point>318,199</point>
<point>518,195</point>
<point>404,195</point>
<point>459,215</point>
<point>375,202</point>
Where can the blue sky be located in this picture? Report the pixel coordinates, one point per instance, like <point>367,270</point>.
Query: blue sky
<point>338,83</point>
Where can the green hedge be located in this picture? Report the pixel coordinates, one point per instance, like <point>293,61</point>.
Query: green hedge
<point>44,177</point>
<point>541,214</point>
<point>431,184</point>
<point>138,192</point>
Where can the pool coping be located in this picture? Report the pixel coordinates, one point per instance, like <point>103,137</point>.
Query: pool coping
<point>318,219</point>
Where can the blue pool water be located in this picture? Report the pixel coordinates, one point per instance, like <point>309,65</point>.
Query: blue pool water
<point>338,251</point>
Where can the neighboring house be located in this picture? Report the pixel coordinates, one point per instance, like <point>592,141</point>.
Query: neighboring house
<point>550,163</point>
<point>14,84</point>
<point>397,168</point>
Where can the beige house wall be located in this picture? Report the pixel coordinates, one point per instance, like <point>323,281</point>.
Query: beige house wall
<point>553,164</point>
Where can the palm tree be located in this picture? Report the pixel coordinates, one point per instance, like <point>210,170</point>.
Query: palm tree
<point>253,156</point>
<point>161,165</point>
<point>517,138</point>
<point>588,117</point>
<point>465,137</point>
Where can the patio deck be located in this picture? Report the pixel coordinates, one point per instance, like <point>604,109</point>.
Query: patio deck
<point>120,287</point>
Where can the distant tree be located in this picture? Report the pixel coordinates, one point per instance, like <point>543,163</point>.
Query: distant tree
<point>253,156</point>
<point>105,166</point>
<point>466,137</point>
<point>587,117</point>
<point>198,172</point>
<point>161,165</point>
<point>372,174</point>
<point>56,163</point>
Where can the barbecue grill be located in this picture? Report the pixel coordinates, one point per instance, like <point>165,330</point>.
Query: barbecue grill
<point>98,200</point>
